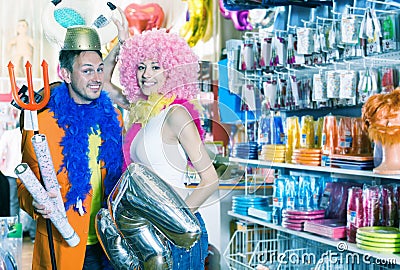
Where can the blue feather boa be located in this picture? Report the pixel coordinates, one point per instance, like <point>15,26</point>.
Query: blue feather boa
<point>78,121</point>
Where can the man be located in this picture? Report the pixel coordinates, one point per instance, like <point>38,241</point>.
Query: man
<point>84,133</point>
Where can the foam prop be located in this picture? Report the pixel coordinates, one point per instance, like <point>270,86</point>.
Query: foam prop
<point>47,171</point>
<point>60,221</point>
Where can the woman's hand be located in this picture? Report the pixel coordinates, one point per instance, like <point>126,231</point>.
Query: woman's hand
<point>122,26</point>
<point>110,61</point>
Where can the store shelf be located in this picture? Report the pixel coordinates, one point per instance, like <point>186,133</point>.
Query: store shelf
<point>263,163</point>
<point>341,245</point>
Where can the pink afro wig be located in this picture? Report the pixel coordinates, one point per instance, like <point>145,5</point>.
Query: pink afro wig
<point>172,53</point>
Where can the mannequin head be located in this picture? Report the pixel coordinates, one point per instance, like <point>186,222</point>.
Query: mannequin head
<point>381,117</point>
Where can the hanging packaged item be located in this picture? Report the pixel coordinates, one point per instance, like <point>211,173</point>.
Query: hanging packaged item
<point>348,84</point>
<point>305,40</point>
<point>319,87</point>
<point>333,84</point>
<point>367,84</point>
<point>235,77</point>
<point>389,79</point>
<point>248,100</point>
<point>349,26</point>
<point>291,58</point>
<point>323,32</point>
<point>265,50</point>
<point>281,92</point>
<point>295,85</point>
<point>279,51</point>
<point>270,89</point>
<point>370,32</point>
<point>334,35</point>
<point>248,55</point>
<point>389,33</point>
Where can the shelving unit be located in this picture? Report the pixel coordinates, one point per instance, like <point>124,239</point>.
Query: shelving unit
<point>393,260</point>
<point>341,245</point>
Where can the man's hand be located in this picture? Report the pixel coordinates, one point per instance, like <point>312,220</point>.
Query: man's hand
<point>41,209</point>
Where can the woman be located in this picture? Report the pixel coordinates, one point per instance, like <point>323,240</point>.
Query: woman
<point>159,73</point>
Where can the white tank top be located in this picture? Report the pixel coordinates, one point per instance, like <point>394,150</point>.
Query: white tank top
<point>167,160</point>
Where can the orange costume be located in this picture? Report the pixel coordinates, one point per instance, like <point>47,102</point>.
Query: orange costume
<point>49,125</point>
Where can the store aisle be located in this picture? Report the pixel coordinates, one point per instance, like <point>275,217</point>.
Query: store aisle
<point>27,250</point>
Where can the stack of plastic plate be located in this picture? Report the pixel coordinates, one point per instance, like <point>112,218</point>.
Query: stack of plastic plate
<point>306,156</point>
<point>247,150</point>
<point>273,152</point>
<point>379,239</point>
<point>294,218</point>
<point>241,204</point>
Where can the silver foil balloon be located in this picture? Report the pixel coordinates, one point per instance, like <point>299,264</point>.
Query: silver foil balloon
<point>115,246</point>
<point>143,209</point>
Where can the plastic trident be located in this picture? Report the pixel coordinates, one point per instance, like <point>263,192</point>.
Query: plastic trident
<point>32,105</point>
<point>31,108</point>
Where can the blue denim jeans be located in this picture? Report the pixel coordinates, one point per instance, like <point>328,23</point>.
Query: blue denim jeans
<point>94,257</point>
<point>194,258</point>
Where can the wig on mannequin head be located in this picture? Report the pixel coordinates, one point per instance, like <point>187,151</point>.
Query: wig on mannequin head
<point>172,53</point>
<point>381,116</point>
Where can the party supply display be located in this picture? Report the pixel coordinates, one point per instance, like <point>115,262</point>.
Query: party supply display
<point>379,239</point>
<point>295,219</point>
<point>140,206</point>
<point>331,228</point>
<point>273,153</point>
<point>307,156</point>
<point>247,150</point>
<point>379,232</point>
<point>60,221</point>
<point>241,204</point>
